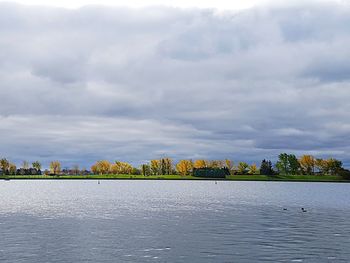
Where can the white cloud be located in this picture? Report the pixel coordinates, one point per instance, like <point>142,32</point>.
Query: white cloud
<point>133,84</point>
<point>218,4</point>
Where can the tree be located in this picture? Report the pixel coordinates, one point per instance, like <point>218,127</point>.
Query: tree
<point>37,165</point>
<point>216,164</point>
<point>334,166</point>
<point>228,164</point>
<point>12,169</point>
<point>200,164</point>
<point>266,167</point>
<point>283,163</point>
<point>242,168</point>
<point>135,171</point>
<point>294,166</point>
<point>121,168</point>
<point>322,166</point>
<point>101,167</point>
<point>344,173</point>
<point>170,166</point>
<point>94,169</point>
<point>252,169</point>
<point>115,169</point>
<point>162,166</point>
<point>25,165</point>
<point>55,167</point>
<point>4,165</point>
<point>75,169</point>
<point>307,163</point>
<point>330,166</point>
<point>166,166</point>
<point>155,167</point>
<point>145,169</point>
<point>184,167</point>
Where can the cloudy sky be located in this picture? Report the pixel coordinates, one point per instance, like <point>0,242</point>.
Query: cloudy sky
<point>185,80</point>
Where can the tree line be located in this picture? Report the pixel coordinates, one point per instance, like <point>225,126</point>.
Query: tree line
<point>8,168</point>
<point>287,164</point>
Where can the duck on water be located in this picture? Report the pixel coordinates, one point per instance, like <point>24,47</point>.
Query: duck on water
<point>302,209</point>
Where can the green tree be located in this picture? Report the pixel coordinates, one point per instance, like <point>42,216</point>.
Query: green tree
<point>266,167</point>
<point>294,166</point>
<point>162,167</point>
<point>145,169</point>
<point>166,166</point>
<point>37,165</point>
<point>283,164</point>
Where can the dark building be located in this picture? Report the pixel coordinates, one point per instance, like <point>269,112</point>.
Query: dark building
<point>211,172</point>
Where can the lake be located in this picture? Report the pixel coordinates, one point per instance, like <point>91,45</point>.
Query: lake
<point>173,221</point>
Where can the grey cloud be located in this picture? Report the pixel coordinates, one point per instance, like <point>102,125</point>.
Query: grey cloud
<point>133,84</point>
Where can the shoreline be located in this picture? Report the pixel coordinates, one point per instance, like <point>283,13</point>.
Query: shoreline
<point>257,178</point>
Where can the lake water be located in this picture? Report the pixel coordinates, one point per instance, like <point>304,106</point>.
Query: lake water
<point>173,221</point>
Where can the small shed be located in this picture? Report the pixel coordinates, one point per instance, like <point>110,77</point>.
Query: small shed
<point>211,172</point>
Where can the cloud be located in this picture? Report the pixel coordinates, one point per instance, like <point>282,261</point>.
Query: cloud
<point>133,84</point>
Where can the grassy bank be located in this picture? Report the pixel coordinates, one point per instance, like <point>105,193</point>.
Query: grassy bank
<point>297,178</point>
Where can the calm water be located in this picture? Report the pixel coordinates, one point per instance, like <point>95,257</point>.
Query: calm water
<point>173,221</point>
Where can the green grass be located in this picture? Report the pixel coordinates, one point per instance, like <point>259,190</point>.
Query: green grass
<point>300,178</point>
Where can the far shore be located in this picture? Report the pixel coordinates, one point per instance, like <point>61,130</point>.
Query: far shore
<point>276,178</point>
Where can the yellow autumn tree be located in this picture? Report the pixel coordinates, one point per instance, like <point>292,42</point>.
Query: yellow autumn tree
<point>184,167</point>
<point>242,167</point>
<point>12,169</point>
<point>322,166</point>
<point>155,167</point>
<point>200,164</point>
<point>121,168</point>
<point>101,167</point>
<point>94,169</point>
<point>307,163</point>
<point>216,164</point>
<point>252,169</point>
<point>55,167</point>
<point>115,169</point>
<point>229,165</point>
<point>4,165</point>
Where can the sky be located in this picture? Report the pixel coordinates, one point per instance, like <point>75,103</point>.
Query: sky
<point>218,4</point>
<point>179,79</point>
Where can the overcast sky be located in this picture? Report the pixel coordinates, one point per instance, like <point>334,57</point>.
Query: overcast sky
<point>217,4</point>
<point>83,83</point>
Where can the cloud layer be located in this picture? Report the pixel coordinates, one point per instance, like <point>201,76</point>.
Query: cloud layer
<point>135,84</point>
